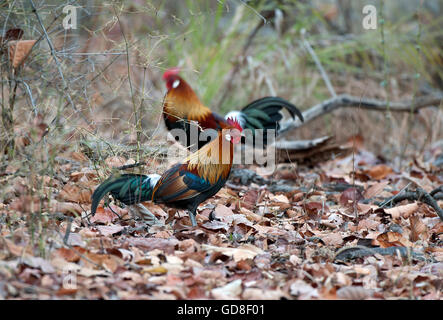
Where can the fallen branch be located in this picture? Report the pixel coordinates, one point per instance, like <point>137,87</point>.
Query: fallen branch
<point>423,196</point>
<point>350,253</point>
<point>345,100</point>
<point>418,195</point>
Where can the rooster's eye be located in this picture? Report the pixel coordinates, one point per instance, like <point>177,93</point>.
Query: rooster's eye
<point>228,137</point>
<point>176,83</point>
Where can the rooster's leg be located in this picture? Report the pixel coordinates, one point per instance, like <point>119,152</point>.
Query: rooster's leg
<point>192,215</point>
<point>146,214</point>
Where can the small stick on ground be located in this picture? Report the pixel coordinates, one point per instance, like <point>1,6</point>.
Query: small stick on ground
<point>68,231</point>
<point>133,165</point>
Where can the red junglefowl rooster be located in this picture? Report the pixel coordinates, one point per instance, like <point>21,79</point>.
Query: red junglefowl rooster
<point>185,185</point>
<point>182,109</point>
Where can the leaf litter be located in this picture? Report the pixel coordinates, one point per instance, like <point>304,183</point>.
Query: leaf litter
<point>331,238</point>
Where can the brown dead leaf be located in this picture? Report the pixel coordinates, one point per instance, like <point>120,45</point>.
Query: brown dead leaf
<point>39,263</point>
<point>246,251</point>
<point>315,208</point>
<point>13,34</point>
<point>149,244</point>
<point>367,224</point>
<point>70,255</point>
<point>216,225</point>
<point>17,250</point>
<point>260,294</point>
<point>109,262</point>
<point>435,268</point>
<point>89,272</point>
<point>249,199</point>
<point>245,265</point>
<point>19,51</point>
<point>109,229</point>
<point>333,239</point>
<point>78,156</point>
<point>74,193</point>
<point>379,172</point>
<point>392,239</point>
<point>354,293</point>
<point>104,215</point>
<point>223,213</point>
<point>303,290</point>
<point>231,290</point>
<point>66,207</point>
<point>279,198</point>
<point>27,204</point>
<point>85,174</point>
<point>418,229</point>
<point>66,291</point>
<point>115,161</point>
<point>350,196</point>
<point>403,211</point>
<point>375,189</point>
<point>155,270</point>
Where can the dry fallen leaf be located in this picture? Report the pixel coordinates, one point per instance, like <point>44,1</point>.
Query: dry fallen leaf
<point>109,229</point>
<point>303,290</point>
<point>333,239</point>
<point>354,293</point>
<point>231,290</point>
<point>70,255</point>
<point>418,229</point>
<point>19,51</point>
<point>375,189</point>
<point>105,215</point>
<point>246,251</point>
<point>402,211</point>
<point>393,239</point>
<point>379,172</point>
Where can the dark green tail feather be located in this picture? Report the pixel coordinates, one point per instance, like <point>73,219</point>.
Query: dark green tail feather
<point>264,113</point>
<point>127,188</point>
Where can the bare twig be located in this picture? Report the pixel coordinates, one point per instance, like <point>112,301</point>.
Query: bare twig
<point>28,90</point>
<point>133,165</point>
<point>345,100</point>
<point>317,63</point>
<point>136,112</point>
<point>57,62</point>
<point>395,196</point>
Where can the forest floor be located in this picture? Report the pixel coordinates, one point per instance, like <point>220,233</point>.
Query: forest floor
<point>327,237</point>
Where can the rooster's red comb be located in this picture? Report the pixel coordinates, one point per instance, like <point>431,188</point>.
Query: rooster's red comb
<point>234,122</point>
<point>171,72</point>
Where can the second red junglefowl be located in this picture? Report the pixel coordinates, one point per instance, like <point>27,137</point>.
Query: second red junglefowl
<point>185,185</point>
<point>182,109</point>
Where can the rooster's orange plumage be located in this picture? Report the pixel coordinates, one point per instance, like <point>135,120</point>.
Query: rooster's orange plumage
<point>186,184</point>
<point>182,109</point>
